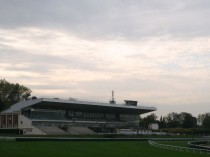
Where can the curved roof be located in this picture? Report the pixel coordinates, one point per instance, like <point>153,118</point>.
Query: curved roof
<point>45,103</point>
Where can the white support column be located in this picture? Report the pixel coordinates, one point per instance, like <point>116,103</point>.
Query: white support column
<point>12,122</point>
<point>18,120</point>
<point>6,121</point>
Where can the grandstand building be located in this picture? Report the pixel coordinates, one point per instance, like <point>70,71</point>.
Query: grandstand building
<point>56,116</point>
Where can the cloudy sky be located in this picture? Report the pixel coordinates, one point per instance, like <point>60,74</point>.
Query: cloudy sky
<point>156,52</point>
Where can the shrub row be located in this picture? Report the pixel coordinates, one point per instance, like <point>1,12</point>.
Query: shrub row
<point>194,131</point>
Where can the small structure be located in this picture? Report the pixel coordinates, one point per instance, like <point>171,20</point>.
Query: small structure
<point>127,131</point>
<point>131,103</point>
<point>153,126</point>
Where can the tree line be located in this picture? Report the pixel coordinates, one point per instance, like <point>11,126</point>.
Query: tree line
<point>177,120</point>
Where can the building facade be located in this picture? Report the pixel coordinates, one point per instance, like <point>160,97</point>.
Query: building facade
<point>30,117</point>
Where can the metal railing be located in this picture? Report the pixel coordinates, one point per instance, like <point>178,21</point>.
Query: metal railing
<point>2,138</point>
<point>203,144</point>
<point>178,148</point>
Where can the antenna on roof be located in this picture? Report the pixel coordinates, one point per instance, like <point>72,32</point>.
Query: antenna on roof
<point>112,100</point>
<point>112,95</point>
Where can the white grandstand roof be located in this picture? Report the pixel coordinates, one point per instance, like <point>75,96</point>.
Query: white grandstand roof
<point>46,102</point>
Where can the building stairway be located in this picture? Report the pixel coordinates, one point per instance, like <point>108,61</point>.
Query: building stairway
<point>80,130</point>
<point>52,130</point>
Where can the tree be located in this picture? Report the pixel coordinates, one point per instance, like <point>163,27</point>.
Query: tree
<point>11,93</point>
<point>173,120</point>
<point>1,105</point>
<point>187,120</point>
<point>33,97</point>
<point>201,118</point>
<point>206,121</point>
<point>162,122</point>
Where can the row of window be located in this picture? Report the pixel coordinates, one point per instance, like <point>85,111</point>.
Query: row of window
<point>74,114</point>
<point>65,115</point>
<point>48,115</point>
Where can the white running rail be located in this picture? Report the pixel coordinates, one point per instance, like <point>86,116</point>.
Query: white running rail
<point>178,148</point>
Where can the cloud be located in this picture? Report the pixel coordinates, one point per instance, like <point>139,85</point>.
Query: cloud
<point>153,51</point>
<point>107,19</point>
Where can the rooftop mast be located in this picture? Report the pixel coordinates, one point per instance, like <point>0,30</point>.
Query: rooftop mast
<point>112,100</point>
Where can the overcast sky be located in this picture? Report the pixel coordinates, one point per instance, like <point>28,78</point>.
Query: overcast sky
<point>153,51</point>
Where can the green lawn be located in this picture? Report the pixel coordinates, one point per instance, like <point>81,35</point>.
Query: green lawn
<point>87,149</point>
<point>174,143</point>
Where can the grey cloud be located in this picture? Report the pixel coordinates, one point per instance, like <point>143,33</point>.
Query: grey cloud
<point>43,63</point>
<point>54,87</point>
<point>105,19</point>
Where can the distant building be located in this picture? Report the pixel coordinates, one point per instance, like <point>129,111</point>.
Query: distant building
<point>153,126</point>
<point>56,116</point>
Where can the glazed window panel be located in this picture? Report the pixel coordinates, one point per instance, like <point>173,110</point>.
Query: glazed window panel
<point>3,121</point>
<point>9,121</point>
<point>55,115</point>
<point>15,121</point>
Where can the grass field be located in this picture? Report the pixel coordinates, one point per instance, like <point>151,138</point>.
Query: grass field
<point>175,143</point>
<point>87,149</point>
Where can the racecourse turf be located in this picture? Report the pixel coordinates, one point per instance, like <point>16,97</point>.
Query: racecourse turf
<point>87,149</point>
